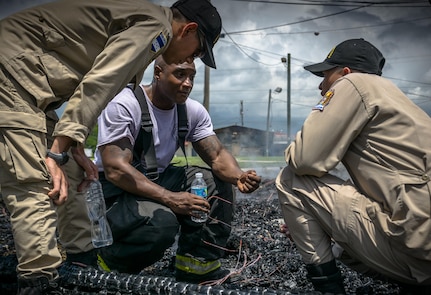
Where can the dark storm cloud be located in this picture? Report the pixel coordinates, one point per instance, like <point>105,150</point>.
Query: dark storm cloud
<point>249,64</point>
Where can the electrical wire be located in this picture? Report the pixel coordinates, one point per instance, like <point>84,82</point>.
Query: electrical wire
<point>340,3</point>
<point>297,22</point>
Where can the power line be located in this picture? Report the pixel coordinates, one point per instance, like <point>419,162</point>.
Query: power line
<point>340,3</point>
<point>346,29</point>
<point>302,61</point>
<point>297,22</point>
<point>249,56</point>
<point>277,55</point>
<point>423,83</point>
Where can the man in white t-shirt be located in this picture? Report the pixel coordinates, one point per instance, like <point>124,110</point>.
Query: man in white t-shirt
<point>145,216</point>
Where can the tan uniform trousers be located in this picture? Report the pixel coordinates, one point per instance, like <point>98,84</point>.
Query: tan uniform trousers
<point>316,209</point>
<point>24,181</point>
<point>24,185</point>
<point>74,228</point>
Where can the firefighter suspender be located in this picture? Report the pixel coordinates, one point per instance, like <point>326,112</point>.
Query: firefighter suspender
<point>144,142</point>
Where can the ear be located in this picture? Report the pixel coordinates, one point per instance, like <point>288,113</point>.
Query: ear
<point>346,70</point>
<point>189,28</point>
<point>157,71</point>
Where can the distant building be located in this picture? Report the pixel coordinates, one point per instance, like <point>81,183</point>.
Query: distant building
<point>279,144</point>
<point>244,141</point>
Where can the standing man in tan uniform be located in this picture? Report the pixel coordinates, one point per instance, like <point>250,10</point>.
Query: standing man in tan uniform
<point>83,52</point>
<point>381,217</point>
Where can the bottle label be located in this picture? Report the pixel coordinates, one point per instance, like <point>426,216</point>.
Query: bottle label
<point>199,191</point>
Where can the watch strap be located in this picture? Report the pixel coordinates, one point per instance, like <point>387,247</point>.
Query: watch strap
<point>60,159</point>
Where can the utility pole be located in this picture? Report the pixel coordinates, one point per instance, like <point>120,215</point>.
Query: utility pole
<point>267,125</point>
<point>206,102</point>
<point>288,99</point>
<point>287,62</point>
<point>276,90</point>
<point>241,112</point>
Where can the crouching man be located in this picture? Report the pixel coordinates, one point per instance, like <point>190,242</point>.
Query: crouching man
<point>382,217</point>
<point>146,208</point>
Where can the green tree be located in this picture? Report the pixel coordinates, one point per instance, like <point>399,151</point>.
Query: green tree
<point>91,141</point>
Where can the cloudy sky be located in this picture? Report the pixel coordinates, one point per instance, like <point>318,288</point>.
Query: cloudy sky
<point>259,33</point>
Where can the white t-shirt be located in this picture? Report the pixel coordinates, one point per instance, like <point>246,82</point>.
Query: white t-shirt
<point>122,119</point>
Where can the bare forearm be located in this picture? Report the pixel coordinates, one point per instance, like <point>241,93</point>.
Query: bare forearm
<point>116,159</point>
<point>133,181</point>
<point>220,160</point>
<point>226,167</point>
<point>61,144</point>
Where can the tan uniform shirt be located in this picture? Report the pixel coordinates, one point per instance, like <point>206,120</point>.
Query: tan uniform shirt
<point>384,140</point>
<point>83,51</point>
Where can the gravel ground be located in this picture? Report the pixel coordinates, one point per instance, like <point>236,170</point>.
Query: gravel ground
<point>260,257</point>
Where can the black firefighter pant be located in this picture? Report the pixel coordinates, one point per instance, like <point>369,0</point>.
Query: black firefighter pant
<point>144,229</point>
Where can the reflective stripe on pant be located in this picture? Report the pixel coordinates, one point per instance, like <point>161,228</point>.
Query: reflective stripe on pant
<point>316,209</point>
<point>195,266</point>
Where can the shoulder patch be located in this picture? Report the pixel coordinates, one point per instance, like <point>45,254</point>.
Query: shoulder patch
<point>158,43</point>
<point>325,100</point>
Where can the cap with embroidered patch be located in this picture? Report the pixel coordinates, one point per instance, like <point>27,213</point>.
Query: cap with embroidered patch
<point>356,54</point>
<point>209,23</point>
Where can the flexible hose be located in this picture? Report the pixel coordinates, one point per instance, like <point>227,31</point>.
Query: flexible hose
<point>94,281</point>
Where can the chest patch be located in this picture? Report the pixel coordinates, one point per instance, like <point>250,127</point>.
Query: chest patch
<point>325,100</point>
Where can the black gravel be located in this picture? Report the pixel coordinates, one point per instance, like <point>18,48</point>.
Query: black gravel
<point>261,259</point>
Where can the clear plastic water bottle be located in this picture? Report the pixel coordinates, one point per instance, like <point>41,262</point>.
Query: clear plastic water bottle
<point>101,234</point>
<point>199,188</point>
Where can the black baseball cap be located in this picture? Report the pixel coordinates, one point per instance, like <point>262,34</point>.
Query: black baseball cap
<point>356,54</point>
<point>209,23</point>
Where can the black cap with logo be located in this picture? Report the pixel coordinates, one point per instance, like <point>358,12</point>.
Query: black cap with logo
<point>356,54</point>
<point>209,21</point>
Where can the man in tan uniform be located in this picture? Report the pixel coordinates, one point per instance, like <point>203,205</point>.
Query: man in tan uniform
<point>83,52</point>
<point>381,217</point>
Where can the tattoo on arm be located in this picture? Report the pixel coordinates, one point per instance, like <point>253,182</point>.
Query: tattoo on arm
<point>120,150</point>
<point>208,148</point>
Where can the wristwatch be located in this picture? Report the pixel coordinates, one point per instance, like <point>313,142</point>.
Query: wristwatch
<point>60,159</point>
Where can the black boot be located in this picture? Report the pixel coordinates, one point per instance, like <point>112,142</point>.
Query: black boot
<point>38,286</point>
<point>326,278</point>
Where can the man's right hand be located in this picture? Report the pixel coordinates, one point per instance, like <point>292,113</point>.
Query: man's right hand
<point>185,203</point>
<point>60,184</point>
